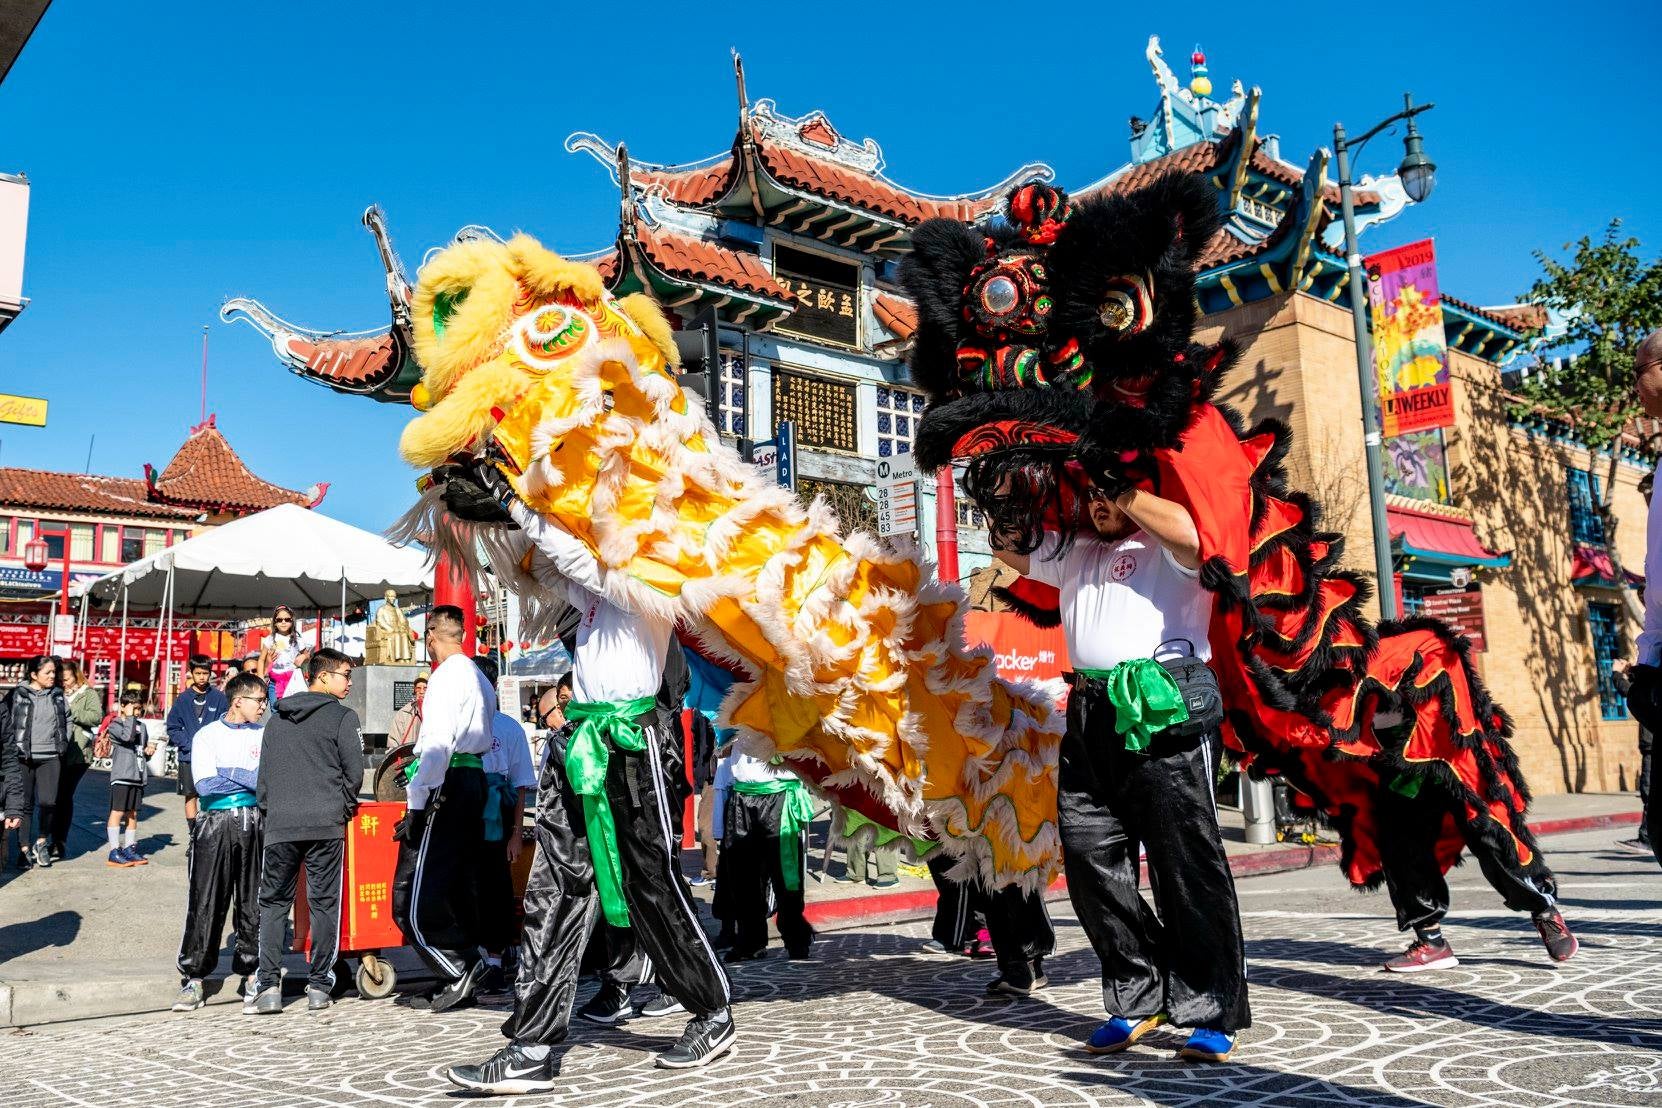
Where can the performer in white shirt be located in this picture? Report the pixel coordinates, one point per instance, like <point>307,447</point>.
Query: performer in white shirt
<point>607,786</point>
<point>1136,769</point>
<point>509,778</point>
<point>764,842</point>
<point>442,837</point>
<point>1644,697</point>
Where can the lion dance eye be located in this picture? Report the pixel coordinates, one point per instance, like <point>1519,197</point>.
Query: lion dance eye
<point>999,296</point>
<point>1127,305</point>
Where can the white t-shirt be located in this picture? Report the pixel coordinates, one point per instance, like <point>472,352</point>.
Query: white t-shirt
<point>619,656</point>
<point>1650,638</point>
<point>455,719</point>
<point>1122,600</point>
<point>510,752</point>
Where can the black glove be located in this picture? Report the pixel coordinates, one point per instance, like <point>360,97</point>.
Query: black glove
<point>1644,696</point>
<point>409,829</point>
<point>477,493</point>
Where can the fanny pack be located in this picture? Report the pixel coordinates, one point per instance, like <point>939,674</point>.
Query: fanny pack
<point>1198,685</point>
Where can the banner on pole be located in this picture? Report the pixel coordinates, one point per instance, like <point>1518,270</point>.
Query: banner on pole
<point>1410,353</point>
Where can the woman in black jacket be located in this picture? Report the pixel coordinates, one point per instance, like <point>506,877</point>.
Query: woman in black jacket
<point>34,732</point>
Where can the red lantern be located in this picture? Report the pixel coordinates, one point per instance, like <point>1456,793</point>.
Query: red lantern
<point>35,555</point>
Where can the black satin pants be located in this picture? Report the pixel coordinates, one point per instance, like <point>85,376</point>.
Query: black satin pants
<point>223,870</point>
<point>561,905</point>
<point>1409,828</point>
<point>1189,962</point>
<point>434,896</point>
<point>754,865</point>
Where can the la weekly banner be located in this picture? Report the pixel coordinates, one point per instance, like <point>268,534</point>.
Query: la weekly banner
<point>1410,353</point>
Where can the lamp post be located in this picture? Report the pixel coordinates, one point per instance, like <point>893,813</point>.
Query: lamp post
<point>36,554</point>
<point>1418,176</point>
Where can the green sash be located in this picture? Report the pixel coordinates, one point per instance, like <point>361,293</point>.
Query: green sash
<point>600,726</point>
<point>794,819</point>
<point>222,801</point>
<point>457,761</point>
<point>1145,698</point>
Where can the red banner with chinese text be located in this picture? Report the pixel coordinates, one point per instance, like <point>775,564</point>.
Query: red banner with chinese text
<point>1023,650</point>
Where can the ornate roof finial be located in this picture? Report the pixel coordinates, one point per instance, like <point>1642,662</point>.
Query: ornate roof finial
<point>738,77</point>
<point>1199,83</point>
<point>626,215</point>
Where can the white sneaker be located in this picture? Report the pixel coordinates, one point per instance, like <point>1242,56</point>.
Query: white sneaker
<point>191,996</point>
<point>249,995</point>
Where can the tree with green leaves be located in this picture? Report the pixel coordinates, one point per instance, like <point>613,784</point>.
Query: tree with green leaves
<point>1610,299</point>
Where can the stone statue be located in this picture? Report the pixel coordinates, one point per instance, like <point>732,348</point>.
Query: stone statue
<point>389,641</point>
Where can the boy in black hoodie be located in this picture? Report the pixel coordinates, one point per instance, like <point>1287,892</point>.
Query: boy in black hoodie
<point>311,768</point>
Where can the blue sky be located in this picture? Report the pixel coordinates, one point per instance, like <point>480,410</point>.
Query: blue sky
<point>184,153</point>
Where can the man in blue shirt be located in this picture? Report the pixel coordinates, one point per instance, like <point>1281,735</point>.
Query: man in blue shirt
<point>200,704</point>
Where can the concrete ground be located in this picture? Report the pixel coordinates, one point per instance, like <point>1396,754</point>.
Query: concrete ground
<point>873,1021</point>
<point>83,940</point>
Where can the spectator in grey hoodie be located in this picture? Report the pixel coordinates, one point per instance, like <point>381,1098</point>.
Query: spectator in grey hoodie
<point>311,768</point>
<point>34,731</point>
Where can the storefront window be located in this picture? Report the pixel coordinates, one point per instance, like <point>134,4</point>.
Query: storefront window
<point>1606,621</point>
<point>5,534</point>
<point>132,544</point>
<point>110,546</point>
<point>155,541</point>
<point>730,393</point>
<point>897,420</point>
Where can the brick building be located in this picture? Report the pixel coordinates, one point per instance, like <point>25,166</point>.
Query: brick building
<point>109,522</point>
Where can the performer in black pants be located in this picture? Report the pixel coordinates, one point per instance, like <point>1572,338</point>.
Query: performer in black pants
<point>1023,938</point>
<point>442,838</point>
<point>960,911</point>
<point>765,846</point>
<point>605,838</point>
<point>1136,769</point>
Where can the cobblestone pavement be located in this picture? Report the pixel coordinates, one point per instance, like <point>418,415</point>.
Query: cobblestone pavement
<point>871,1022</point>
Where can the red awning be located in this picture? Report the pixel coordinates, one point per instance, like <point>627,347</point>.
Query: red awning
<point>1439,538</point>
<point>1591,565</point>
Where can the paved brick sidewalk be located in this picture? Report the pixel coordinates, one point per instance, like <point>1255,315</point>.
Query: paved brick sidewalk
<point>872,1022</point>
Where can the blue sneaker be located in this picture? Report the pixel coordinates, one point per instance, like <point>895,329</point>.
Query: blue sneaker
<point>118,857</point>
<point>1119,1033</point>
<point>1207,1045</point>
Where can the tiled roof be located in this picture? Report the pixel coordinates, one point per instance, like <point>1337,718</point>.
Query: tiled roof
<point>81,492</point>
<point>1508,318</point>
<point>1523,318</point>
<point>898,315</point>
<point>207,473</point>
<point>697,259</point>
<point>346,361</point>
<point>705,185</point>
<point>874,194</point>
<point>1206,157</point>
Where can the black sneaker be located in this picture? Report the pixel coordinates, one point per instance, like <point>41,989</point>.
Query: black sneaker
<point>662,1005</point>
<point>494,982</point>
<point>609,1006</point>
<point>704,1040</point>
<point>459,993</point>
<point>737,955</point>
<point>506,1072</point>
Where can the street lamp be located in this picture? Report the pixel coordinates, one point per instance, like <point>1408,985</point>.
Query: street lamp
<point>36,555</point>
<point>1419,176</point>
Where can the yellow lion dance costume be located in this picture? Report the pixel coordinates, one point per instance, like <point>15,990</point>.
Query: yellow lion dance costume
<point>850,661</point>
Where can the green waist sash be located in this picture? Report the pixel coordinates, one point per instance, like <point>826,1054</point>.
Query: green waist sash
<point>223,801</point>
<point>794,819</point>
<point>1146,699</point>
<point>602,725</point>
<point>457,761</point>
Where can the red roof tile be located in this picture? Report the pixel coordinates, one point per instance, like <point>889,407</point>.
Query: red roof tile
<point>207,474</point>
<point>1523,318</point>
<point>344,361</point>
<point>81,492</point>
<point>1508,318</point>
<point>684,256</point>
<point>874,194</point>
<point>693,188</point>
<point>898,315</point>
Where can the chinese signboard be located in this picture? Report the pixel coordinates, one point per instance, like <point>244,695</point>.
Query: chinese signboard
<point>1410,352</point>
<point>827,294</point>
<point>30,411</point>
<point>822,411</point>
<point>1461,609</point>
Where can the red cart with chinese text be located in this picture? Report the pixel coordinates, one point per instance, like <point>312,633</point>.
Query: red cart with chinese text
<point>366,925</point>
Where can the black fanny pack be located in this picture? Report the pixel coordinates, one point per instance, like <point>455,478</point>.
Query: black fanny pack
<point>1196,682</point>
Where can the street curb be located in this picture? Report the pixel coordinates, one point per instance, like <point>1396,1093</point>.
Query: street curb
<point>886,908</point>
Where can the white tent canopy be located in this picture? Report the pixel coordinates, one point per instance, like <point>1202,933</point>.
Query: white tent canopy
<point>284,555</point>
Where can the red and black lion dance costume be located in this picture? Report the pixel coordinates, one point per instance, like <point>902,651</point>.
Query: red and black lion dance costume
<point>1057,349</point>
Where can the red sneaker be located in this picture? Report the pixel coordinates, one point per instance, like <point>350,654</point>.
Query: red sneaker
<point>1555,935</point>
<point>1422,955</point>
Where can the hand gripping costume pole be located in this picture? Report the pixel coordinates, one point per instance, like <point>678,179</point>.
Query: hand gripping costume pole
<point>852,664</point>
<point>1057,349</point>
